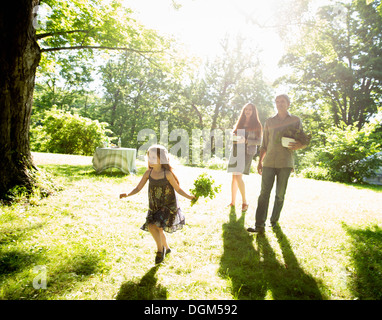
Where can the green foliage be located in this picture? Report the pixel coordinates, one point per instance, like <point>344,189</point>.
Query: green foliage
<point>71,33</point>
<point>335,81</point>
<point>336,63</point>
<point>62,132</point>
<point>216,163</point>
<point>91,23</point>
<point>149,81</point>
<point>204,187</point>
<point>133,101</point>
<point>230,81</point>
<point>347,154</point>
<point>316,173</point>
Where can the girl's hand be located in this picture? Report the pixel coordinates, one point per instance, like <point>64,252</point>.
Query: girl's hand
<point>193,200</point>
<point>122,195</point>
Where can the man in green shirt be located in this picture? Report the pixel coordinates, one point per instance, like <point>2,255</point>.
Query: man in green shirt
<point>275,161</point>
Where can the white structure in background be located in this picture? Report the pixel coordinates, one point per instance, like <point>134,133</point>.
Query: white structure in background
<point>377,177</point>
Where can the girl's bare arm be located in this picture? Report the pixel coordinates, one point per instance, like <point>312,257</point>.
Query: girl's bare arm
<point>177,188</point>
<point>139,187</point>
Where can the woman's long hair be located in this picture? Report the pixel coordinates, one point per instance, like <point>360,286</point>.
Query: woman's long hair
<point>162,155</point>
<point>254,123</point>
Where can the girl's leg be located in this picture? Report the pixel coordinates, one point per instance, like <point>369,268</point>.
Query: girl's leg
<point>163,238</point>
<point>155,232</point>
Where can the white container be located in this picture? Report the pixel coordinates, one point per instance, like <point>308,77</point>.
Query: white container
<point>285,141</point>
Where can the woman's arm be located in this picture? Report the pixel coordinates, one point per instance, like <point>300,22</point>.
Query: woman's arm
<point>139,187</point>
<point>177,188</point>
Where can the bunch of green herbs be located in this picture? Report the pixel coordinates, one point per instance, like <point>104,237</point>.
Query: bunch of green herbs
<point>204,187</point>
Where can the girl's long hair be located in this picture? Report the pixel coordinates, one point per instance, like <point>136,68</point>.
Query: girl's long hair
<point>162,154</point>
<point>254,123</point>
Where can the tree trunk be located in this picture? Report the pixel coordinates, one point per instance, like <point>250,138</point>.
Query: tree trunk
<point>19,58</point>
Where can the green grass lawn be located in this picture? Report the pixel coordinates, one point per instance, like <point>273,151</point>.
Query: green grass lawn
<point>87,243</point>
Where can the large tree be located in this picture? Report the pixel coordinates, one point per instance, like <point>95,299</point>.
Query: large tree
<point>137,95</point>
<point>71,25</point>
<point>336,62</point>
<point>19,58</point>
<point>231,80</point>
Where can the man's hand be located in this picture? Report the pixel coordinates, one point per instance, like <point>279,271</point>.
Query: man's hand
<point>295,145</point>
<point>260,168</point>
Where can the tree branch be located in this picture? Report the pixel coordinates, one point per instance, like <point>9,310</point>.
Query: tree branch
<point>51,34</point>
<point>140,52</point>
<point>199,114</point>
<point>97,47</point>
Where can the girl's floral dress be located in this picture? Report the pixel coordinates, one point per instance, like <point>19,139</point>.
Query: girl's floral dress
<point>163,211</point>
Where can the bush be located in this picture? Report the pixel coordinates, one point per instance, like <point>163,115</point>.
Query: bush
<point>62,132</point>
<point>216,163</point>
<point>45,185</point>
<point>316,173</point>
<point>347,153</point>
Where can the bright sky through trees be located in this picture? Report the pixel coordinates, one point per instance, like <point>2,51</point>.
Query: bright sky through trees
<point>202,24</point>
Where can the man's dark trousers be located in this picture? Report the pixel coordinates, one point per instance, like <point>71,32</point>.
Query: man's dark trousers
<point>267,181</point>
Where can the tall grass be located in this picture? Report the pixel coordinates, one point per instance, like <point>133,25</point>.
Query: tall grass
<point>91,247</point>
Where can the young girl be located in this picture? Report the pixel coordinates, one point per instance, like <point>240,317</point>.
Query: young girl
<point>249,121</point>
<point>164,213</point>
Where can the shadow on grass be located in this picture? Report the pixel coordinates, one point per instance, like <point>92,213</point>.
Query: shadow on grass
<point>12,259</point>
<point>366,281</point>
<point>145,289</point>
<point>17,274</point>
<point>256,273</point>
<point>15,261</point>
